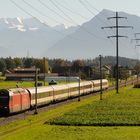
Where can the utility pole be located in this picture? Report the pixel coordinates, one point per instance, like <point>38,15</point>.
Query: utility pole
<point>36,80</point>
<point>101,77</point>
<point>44,60</point>
<point>137,40</point>
<point>137,45</point>
<point>117,36</point>
<point>79,89</point>
<point>79,86</point>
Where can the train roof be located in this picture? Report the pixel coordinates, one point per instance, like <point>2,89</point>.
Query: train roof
<point>39,89</point>
<point>98,81</point>
<point>13,91</point>
<point>57,87</point>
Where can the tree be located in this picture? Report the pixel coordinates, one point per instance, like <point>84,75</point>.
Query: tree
<point>18,62</point>
<point>28,62</point>
<point>59,63</point>
<point>123,73</point>
<point>137,68</point>
<point>45,65</point>
<point>2,65</point>
<point>39,63</point>
<point>77,64</point>
<point>10,64</point>
<point>59,66</point>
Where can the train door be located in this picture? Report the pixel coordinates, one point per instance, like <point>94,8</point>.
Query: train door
<point>25,100</point>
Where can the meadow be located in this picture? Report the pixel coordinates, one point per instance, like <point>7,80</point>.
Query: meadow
<point>21,84</point>
<point>116,110</point>
<point>12,84</point>
<point>77,120</point>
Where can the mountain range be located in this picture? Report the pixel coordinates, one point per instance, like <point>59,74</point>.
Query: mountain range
<point>21,37</point>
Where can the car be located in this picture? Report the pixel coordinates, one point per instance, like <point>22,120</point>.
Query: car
<point>52,82</point>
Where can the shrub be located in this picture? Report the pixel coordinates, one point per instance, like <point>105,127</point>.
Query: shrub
<point>137,85</point>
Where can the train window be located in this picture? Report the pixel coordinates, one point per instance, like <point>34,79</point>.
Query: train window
<point>42,95</point>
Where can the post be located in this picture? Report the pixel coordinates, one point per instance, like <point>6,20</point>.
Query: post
<point>101,77</point>
<point>79,89</point>
<point>36,80</point>
<point>117,61</point>
<point>44,69</point>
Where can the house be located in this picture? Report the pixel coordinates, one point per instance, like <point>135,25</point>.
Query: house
<point>21,74</point>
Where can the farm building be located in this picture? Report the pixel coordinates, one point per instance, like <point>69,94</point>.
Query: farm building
<point>26,74</point>
<point>21,74</point>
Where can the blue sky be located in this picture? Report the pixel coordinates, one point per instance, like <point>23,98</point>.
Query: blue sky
<point>77,16</point>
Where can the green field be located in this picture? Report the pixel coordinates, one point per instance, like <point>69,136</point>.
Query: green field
<point>23,84</point>
<point>12,84</point>
<point>124,105</point>
<point>116,110</point>
<point>76,133</point>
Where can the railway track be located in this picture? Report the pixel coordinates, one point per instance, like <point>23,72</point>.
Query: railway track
<point>21,116</point>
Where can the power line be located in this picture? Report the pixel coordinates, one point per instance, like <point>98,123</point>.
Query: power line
<point>82,27</point>
<point>38,11</point>
<point>82,3</point>
<point>137,44</point>
<point>44,24</point>
<point>117,36</point>
<point>71,20</point>
<point>19,7</point>
<point>45,5</point>
<point>86,7</point>
<point>104,14</point>
<point>72,11</point>
<point>94,9</point>
<point>58,9</point>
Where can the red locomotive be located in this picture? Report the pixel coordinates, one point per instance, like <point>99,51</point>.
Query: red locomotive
<point>14,100</point>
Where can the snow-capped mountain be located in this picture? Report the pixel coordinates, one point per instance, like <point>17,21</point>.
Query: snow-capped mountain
<point>19,36</point>
<point>89,41</point>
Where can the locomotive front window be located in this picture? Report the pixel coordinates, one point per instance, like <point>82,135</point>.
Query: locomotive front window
<point>4,98</point>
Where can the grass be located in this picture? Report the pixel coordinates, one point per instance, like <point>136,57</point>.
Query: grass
<point>12,84</point>
<point>120,110</point>
<point>24,84</point>
<point>77,133</point>
<point>2,78</point>
<point>34,127</point>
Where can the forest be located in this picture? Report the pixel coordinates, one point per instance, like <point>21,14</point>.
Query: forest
<point>85,68</point>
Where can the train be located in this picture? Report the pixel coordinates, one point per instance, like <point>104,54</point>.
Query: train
<point>20,99</point>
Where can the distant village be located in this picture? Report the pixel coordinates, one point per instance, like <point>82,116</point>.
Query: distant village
<point>23,69</point>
